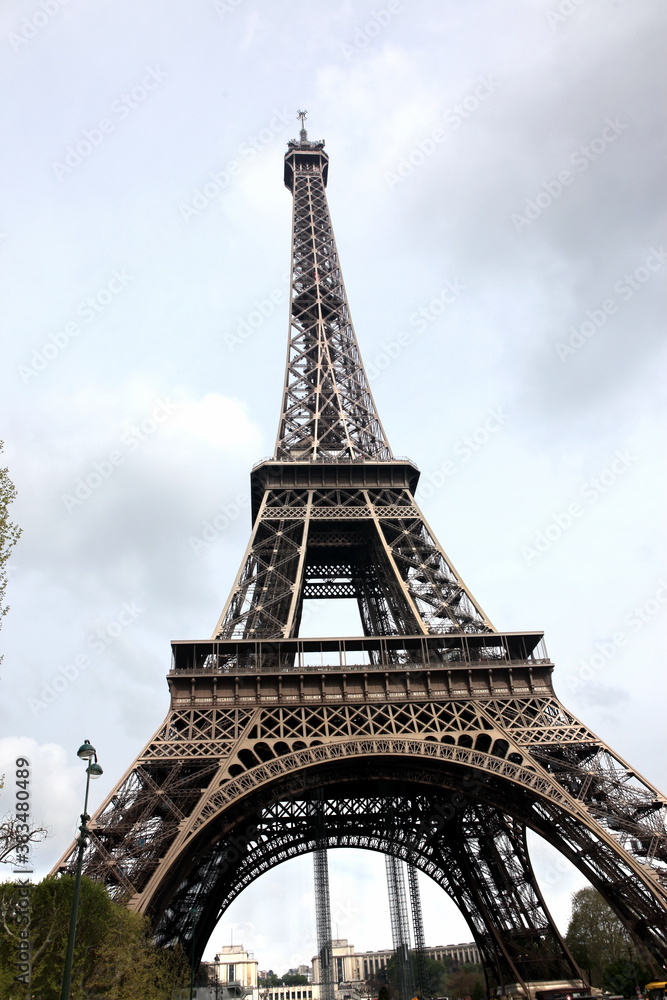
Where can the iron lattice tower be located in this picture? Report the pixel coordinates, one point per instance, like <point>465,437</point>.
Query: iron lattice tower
<point>418,931</point>
<point>323,922</point>
<point>433,738</point>
<point>400,927</point>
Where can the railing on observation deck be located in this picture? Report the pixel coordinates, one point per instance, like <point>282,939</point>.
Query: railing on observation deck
<point>323,459</point>
<point>460,650</point>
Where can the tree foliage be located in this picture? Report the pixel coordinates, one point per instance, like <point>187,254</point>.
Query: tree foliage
<point>624,976</point>
<point>289,979</point>
<point>444,978</point>
<point>467,982</point>
<point>114,958</point>
<point>602,946</point>
<point>271,979</point>
<point>9,533</point>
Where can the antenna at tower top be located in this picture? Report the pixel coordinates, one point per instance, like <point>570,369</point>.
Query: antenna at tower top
<point>303,135</point>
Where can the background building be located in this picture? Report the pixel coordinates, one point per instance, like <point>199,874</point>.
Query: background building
<point>352,966</point>
<point>309,992</point>
<point>235,966</point>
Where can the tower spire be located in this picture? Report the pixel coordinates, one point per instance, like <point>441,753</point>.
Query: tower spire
<point>303,135</point>
<point>328,412</point>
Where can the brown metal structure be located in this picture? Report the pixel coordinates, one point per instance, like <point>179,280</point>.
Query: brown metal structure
<point>432,738</point>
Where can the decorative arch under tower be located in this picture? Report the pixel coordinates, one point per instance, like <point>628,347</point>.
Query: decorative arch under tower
<point>433,737</point>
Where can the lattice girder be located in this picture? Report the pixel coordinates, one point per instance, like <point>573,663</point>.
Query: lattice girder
<point>432,737</point>
<point>328,409</point>
<point>400,927</point>
<point>393,820</point>
<point>551,814</point>
<point>418,930</point>
<point>534,762</point>
<point>401,578</point>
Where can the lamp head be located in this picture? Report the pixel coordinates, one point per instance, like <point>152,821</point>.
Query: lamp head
<point>86,750</point>
<point>94,770</point>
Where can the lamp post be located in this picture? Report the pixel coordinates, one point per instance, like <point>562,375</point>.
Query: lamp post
<point>85,752</point>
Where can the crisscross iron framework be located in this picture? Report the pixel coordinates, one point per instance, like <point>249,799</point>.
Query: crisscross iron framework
<point>432,738</point>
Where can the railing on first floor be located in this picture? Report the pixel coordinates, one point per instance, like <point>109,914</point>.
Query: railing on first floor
<point>455,650</point>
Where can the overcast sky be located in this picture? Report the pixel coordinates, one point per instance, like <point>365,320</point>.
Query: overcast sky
<point>497,191</point>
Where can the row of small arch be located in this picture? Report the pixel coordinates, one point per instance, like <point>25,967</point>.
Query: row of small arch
<point>263,752</point>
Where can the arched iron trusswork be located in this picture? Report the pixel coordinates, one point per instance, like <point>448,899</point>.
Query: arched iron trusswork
<point>433,738</point>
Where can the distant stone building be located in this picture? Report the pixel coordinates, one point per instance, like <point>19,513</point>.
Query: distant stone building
<point>234,965</point>
<point>352,966</point>
<point>309,992</point>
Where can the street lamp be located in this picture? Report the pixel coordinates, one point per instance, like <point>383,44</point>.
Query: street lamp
<point>85,752</point>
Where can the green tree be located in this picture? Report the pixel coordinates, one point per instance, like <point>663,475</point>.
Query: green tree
<point>467,981</point>
<point>624,975</point>
<point>377,981</point>
<point>271,979</point>
<point>295,979</point>
<point>596,936</point>
<point>9,534</point>
<point>114,958</point>
<point>438,975</point>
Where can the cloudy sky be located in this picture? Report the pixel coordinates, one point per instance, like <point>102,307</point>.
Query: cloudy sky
<point>498,201</point>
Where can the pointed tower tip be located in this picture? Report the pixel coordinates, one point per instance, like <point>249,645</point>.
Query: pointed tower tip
<point>301,147</point>
<point>303,141</point>
<point>303,135</point>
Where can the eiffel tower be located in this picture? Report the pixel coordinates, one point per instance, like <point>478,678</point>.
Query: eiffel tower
<point>432,738</point>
